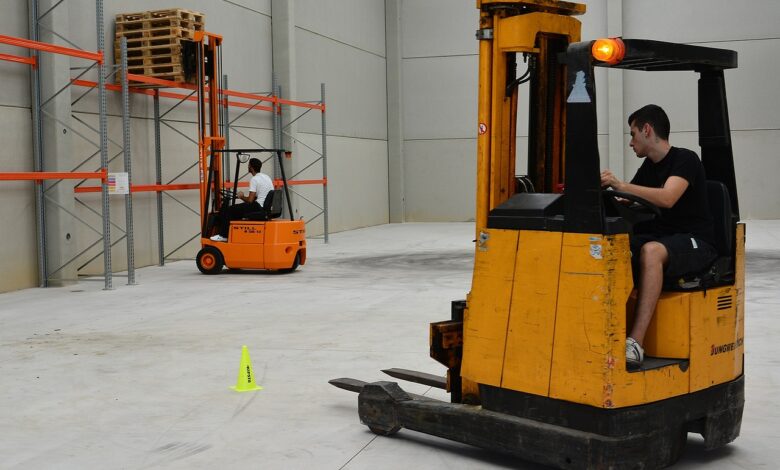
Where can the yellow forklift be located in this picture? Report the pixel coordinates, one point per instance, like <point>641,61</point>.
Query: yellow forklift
<point>535,355</point>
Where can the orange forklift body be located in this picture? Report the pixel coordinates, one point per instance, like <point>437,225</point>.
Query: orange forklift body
<point>262,245</point>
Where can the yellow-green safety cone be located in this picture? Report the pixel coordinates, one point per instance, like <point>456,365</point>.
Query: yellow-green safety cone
<point>246,380</point>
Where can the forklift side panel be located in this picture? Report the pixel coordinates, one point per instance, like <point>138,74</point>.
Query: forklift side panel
<point>532,316</point>
<point>247,232</point>
<point>485,322</point>
<point>668,333</point>
<point>283,240</point>
<point>595,281</point>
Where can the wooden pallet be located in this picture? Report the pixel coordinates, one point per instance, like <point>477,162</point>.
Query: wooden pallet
<point>167,59</point>
<point>149,52</point>
<point>155,33</point>
<point>152,42</point>
<point>174,12</point>
<point>139,25</point>
<point>157,69</point>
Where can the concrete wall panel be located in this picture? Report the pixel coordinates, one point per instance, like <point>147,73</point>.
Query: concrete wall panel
<point>440,97</point>
<point>355,87</point>
<point>355,23</point>
<point>676,92</point>
<point>701,20</point>
<point>440,178</point>
<point>357,183</point>
<point>18,256</point>
<point>594,21</point>
<point>435,28</point>
<point>757,165</point>
<point>15,77</point>
<point>752,87</point>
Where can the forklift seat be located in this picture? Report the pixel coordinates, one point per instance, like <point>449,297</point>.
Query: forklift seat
<point>721,271</point>
<point>272,207</point>
<point>723,225</point>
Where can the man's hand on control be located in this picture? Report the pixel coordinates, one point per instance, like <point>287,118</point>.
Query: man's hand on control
<point>608,179</point>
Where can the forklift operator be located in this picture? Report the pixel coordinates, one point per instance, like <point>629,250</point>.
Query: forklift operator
<point>259,187</point>
<point>681,241</point>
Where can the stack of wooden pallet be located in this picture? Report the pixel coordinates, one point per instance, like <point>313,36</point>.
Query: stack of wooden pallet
<point>154,40</point>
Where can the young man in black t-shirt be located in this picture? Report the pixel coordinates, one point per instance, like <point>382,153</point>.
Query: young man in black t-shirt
<point>681,240</point>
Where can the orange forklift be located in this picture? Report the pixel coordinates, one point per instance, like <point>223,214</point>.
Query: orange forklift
<point>261,240</point>
<point>535,354</point>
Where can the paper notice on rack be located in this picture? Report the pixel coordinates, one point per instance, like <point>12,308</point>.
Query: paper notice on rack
<point>118,183</point>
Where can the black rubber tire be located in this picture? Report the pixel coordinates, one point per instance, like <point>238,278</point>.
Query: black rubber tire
<point>382,432</point>
<point>296,263</point>
<point>679,438</point>
<point>209,260</point>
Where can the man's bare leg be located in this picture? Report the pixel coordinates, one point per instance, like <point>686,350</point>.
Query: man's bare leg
<point>652,260</point>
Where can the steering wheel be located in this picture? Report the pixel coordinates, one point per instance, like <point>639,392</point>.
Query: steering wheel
<point>227,194</point>
<point>636,212</point>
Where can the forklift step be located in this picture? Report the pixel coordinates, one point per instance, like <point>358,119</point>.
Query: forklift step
<point>418,377</point>
<point>345,383</point>
<point>355,385</point>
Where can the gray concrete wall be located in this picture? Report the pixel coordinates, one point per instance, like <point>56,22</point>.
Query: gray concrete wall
<point>439,63</point>
<point>342,44</point>
<point>18,254</point>
<point>440,86</point>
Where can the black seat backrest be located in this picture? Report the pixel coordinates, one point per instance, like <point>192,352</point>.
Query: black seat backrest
<point>275,207</point>
<point>723,225</point>
<point>269,199</point>
<point>271,209</point>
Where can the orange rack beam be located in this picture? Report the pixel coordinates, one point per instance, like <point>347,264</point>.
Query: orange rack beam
<point>165,94</point>
<point>16,58</point>
<point>52,175</point>
<point>98,57</point>
<point>323,182</point>
<point>302,104</point>
<point>46,47</point>
<point>140,188</point>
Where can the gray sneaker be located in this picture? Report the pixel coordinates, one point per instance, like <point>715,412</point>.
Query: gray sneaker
<point>218,238</point>
<point>634,353</point>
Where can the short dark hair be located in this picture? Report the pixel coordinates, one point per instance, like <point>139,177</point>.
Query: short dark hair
<point>655,116</point>
<point>255,164</point>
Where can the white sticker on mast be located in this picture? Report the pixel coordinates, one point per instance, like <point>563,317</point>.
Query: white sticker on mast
<point>579,93</point>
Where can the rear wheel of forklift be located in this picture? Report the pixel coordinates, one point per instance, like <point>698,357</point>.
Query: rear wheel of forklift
<point>296,263</point>
<point>678,444</point>
<point>209,260</point>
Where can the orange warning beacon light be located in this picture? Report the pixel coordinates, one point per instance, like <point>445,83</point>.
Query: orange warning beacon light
<point>608,50</point>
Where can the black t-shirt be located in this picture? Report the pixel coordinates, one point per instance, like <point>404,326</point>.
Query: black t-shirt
<point>691,213</point>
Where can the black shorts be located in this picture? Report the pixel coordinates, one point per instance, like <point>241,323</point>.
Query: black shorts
<point>687,254</point>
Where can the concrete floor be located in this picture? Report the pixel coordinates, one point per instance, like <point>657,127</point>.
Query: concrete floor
<point>139,377</point>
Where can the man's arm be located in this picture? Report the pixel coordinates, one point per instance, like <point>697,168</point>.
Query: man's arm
<point>249,198</point>
<point>664,197</point>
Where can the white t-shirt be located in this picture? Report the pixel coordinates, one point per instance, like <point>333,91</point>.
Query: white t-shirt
<point>261,184</point>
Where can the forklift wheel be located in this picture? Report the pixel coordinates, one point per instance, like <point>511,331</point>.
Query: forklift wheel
<point>296,263</point>
<point>209,260</point>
